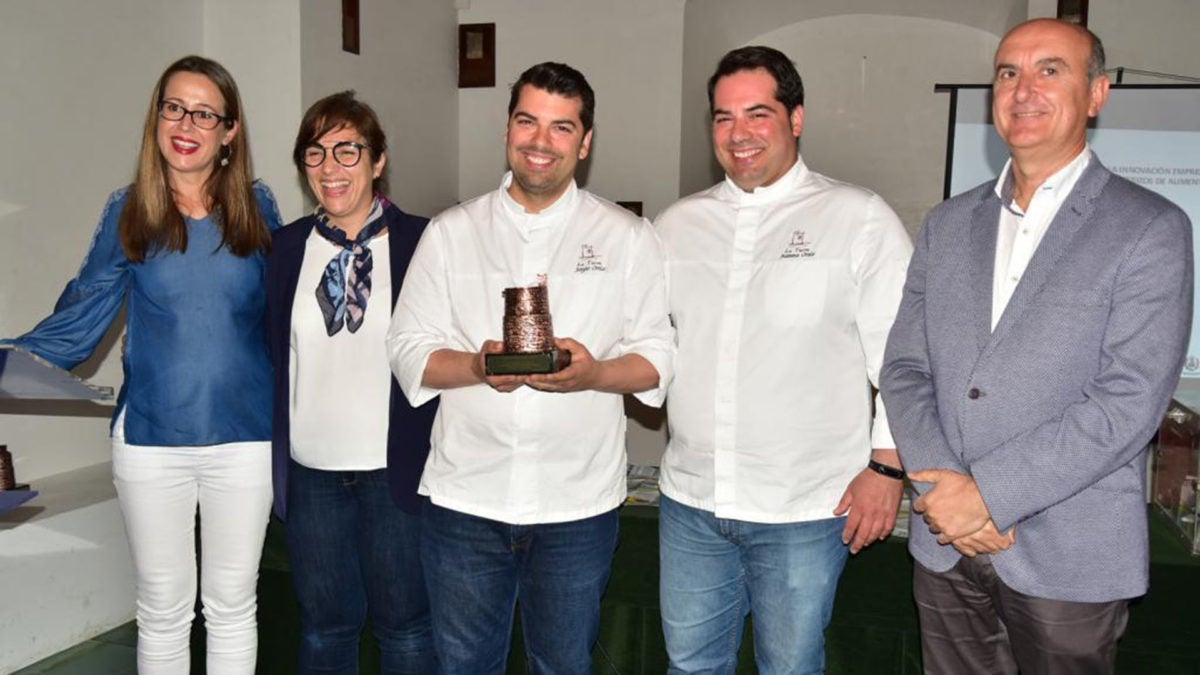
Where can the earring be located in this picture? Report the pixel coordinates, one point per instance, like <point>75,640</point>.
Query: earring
<point>226,151</point>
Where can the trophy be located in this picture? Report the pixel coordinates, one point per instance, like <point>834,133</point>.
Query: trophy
<point>528,335</point>
<point>26,376</point>
<point>8,480</point>
<point>12,493</point>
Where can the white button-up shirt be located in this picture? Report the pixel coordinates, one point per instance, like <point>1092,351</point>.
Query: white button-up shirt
<point>1020,233</point>
<point>529,456</point>
<point>782,299</point>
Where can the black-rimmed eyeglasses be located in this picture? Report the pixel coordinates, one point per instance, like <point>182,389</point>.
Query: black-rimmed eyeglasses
<point>201,119</point>
<point>346,153</point>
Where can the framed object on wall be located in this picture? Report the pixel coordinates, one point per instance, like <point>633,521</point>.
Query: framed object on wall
<point>350,26</point>
<point>1074,11</point>
<point>477,55</point>
<point>636,207</point>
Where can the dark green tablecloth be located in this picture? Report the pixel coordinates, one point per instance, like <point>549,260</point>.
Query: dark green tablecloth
<point>874,626</point>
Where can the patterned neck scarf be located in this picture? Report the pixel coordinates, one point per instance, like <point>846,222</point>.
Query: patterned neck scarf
<point>345,286</point>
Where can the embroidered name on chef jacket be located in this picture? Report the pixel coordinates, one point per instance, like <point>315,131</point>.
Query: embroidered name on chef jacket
<point>589,260</point>
<point>798,247</point>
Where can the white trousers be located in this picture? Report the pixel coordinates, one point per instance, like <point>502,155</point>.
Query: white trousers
<point>159,490</point>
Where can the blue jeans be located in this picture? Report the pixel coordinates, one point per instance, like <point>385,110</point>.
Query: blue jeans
<point>477,569</point>
<point>715,571</point>
<point>354,553</point>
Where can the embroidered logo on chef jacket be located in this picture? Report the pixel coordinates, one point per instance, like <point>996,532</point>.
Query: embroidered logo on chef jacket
<point>589,260</point>
<point>798,247</point>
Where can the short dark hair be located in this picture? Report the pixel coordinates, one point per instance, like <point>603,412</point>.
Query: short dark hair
<point>789,88</point>
<point>561,79</point>
<point>338,111</point>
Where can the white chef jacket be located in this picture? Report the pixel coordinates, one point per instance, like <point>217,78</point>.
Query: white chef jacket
<point>1019,234</point>
<point>528,456</point>
<point>782,299</point>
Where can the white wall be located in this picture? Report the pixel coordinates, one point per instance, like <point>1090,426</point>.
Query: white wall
<point>1153,35</point>
<point>67,571</point>
<point>1150,35</point>
<point>713,27</point>
<point>77,79</point>
<point>1042,8</point>
<point>259,43</point>
<point>629,50</point>
<point>871,115</point>
<point>407,72</point>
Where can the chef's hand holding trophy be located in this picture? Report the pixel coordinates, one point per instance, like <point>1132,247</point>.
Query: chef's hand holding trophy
<point>530,354</point>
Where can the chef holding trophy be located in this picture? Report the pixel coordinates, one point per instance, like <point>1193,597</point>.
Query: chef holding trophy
<point>529,311</point>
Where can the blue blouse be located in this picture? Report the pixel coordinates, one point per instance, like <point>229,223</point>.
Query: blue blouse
<point>196,366</point>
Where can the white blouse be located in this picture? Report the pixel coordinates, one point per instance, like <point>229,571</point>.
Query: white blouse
<point>341,385</point>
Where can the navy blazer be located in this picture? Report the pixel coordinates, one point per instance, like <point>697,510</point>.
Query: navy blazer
<point>408,427</point>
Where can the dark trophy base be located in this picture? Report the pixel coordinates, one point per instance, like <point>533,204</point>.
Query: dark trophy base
<point>550,361</point>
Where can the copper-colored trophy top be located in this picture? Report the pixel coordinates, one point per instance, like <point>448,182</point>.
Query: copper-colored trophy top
<point>7,478</point>
<point>525,300</point>
<point>527,327</point>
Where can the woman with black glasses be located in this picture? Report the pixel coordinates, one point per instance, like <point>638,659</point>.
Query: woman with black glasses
<point>184,249</point>
<point>348,448</point>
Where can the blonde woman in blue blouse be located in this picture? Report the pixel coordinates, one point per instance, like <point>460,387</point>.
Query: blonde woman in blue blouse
<point>183,247</point>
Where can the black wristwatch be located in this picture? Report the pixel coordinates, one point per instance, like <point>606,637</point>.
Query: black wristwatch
<point>885,470</point>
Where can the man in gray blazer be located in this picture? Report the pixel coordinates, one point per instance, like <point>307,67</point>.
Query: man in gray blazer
<point>1042,331</point>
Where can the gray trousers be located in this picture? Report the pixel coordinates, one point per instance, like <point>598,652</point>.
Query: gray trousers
<point>971,622</point>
